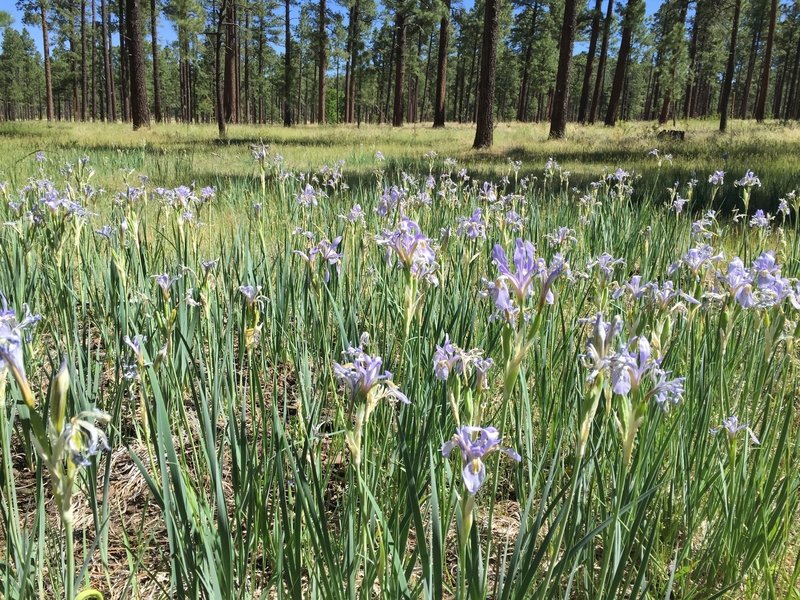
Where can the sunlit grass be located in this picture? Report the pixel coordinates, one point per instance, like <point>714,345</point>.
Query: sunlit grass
<point>246,463</point>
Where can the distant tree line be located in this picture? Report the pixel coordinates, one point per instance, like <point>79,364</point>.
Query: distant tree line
<point>357,61</point>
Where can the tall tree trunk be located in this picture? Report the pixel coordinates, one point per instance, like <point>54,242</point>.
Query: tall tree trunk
<point>124,67</point>
<point>791,100</point>
<point>524,91</point>
<point>248,117</point>
<point>140,113</point>
<point>230,95</point>
<point>524,88</point>
<point>615,98</point>
<point>287,69</point>
<point>558,118</point>
<point>93,59</point>
<point>777,97</point>
<point>260,69</point>
<point>75,104</point>
<point>761,102</point>
<point>484,131</point>
<point>399,67</point>
<point>751,65</point>
<point>388,82</point>
<point>352,61</point>
<point>666,105</point>
<point>421,113</point>
<point>441,67</point>
<point>84,71</point>
<point>594,108</point>
<point>691,79</point>
<point>48,73</point>
<point>222,126</point>
<point>156,70</point>
<point>727,82</point>
<point>587,73</point>
<point>323,62</point>
<point>108,71</point>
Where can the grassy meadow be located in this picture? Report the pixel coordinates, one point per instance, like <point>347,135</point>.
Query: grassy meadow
<point>352,363</point>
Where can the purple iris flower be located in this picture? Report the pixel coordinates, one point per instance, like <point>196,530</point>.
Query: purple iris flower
<point>503,303</point>
<point>731,426</point>
<point>482,366</point>
<point>760,220</point>
<point>308,197</point>
<point>327,253</point>
<point>447,359</point>
<point>739,282</point>
<point>628,369</point>
<point>664,294</point>
<point>667,392</point>
<point>526,267</point>
<point>412,248</point>
<point>717,178</point>
<point>749,180</point>
<point>678,204</point>
<point>209,265</point>
<point>11,337</point>
<point>772,287</point>
<point>364,373</point>
<point>389,200</point>
<point>605,264</point>
<point>514,221</point>
<point>251,293</point>
<point>355,214</point>
<point>472,227</point>
<point>599,348</point>
<point>105,231</point>
<point>165,281</point>
<point>52,200</point>
<point>634,287</point>
<point>699,257</point>
<point>561,236</point>
<point>475,443</point>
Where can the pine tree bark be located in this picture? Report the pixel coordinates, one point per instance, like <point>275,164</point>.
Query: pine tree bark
<point>108,73</point>
<point>791,101</point>
<point>484,116</point>
<point>140,113</point>
<point>323,63</point>
<point>222,126</point>
<point>48,72</point>
<point>761,102</point>
<point>124,67</point>
<point>84,72</point>
<point>615,98</point>
<point>587,73</point>
<point>524,88</point>
<point>287,69</point>
<point>156,69</point>
<point>352,61</point>
<point>93,63</point>
<point>400,68</point>
<point>558,118</point>
<point>727,82</point>
<point>691,80</point>
<point>441,67</point>
<point>230,95</point>
<point>751,65</point>
<point>594,108</point>
<point>666,105</point>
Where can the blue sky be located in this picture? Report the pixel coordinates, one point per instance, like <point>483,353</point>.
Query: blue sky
<point>167,33</point>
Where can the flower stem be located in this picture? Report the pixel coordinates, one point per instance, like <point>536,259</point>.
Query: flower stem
<point>69,576</point>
